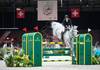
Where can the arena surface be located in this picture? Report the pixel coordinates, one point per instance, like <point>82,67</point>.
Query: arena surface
<point>52,66</point>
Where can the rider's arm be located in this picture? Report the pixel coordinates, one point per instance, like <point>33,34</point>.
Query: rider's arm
<point>70,22</point>
<point>63,21</point>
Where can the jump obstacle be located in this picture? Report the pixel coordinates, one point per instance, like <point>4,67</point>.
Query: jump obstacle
<point>32,46</point>
<point>83,49</point>
<point>57,52</point>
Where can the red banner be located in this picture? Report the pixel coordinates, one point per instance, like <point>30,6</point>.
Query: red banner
<point>36,28</point>
<point>25,29</point>
<point>75,12</point>
<point>20,13</point>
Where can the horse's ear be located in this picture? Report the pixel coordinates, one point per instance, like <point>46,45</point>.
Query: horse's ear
<point>53,23</point>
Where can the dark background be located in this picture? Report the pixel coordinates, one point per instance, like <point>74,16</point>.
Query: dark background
<point>86,20</point>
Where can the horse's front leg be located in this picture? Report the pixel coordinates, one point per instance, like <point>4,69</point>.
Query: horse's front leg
<point>67,44</point>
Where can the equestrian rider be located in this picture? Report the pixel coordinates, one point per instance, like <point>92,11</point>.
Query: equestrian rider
<point>67,23</point>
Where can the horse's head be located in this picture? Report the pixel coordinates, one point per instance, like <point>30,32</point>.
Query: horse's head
<point>58,28</point>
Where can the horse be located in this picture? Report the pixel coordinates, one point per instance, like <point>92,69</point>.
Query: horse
<point>69,34</point>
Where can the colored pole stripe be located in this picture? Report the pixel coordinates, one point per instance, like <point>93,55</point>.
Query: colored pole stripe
<point>55,60</point>
<point>84,47</point>
<point>26,44</point>
<point>33,49</point>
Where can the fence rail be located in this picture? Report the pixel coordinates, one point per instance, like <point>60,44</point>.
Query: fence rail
<point>56,51</point>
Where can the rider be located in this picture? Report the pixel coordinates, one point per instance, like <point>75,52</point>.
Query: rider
<point>67,23</point>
